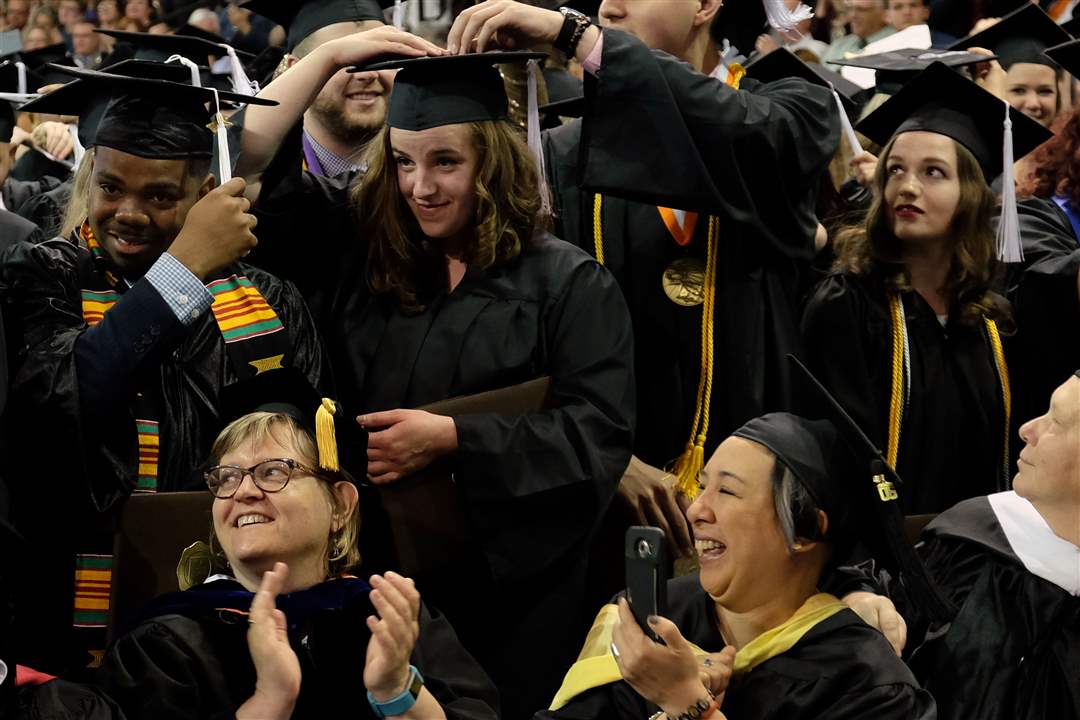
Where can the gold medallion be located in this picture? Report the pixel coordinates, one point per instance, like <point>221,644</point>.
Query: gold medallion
<point>684,282</point>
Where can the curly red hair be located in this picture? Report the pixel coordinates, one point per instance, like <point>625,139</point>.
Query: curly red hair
<point>1055,165</point>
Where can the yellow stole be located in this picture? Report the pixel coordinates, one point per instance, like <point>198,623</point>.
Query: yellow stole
<point>596,666</point>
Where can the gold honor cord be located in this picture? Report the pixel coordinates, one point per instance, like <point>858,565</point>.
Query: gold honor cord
<point>901,382</point>
<point>598,227</point>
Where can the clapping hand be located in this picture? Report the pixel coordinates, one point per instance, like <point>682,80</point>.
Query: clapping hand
<point>393,635</point>
<point>277,669</point>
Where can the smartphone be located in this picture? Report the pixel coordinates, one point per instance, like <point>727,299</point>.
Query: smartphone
<point>646,567</point>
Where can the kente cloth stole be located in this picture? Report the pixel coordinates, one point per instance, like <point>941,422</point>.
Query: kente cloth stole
<point>255,342</point>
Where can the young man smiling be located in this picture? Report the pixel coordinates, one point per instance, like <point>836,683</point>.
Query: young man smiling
<point>127,332</point>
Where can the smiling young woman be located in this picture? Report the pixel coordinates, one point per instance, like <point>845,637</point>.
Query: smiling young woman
<point>907,331</point>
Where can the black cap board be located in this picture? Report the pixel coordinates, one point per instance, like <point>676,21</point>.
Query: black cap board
<point>942,101</point>
<point>571,107</point>
<point>341,441</point>
<point>449,89</point>
<point>896,68</point>
<point>301,18</point>
<point>148,117</point>
<point>1020,37</point>
<point>861,479</point>
<point>1067,55</point>
<point>782,63</point>
<point>40,62</point>
<point>158,48</point>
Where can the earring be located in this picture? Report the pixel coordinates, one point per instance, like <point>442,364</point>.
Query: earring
<point>796,546</point>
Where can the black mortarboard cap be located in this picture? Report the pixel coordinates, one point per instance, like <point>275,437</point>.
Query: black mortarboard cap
<point>899,67</point>
<point>1072,26</point>
<point>861,479</point>
<point>942,101</point>
<point>571,107</point>
<point>159,48</point>
<point>449,89</point>
<point>1020,37</point>
<point>806,447</point>
<point>40,61</point>
<point>9,83</point>
<point>782,63</point>
<point>148,117</point>
<point>304,17</point>
<point>340,440</point>
<point>1067,55</point>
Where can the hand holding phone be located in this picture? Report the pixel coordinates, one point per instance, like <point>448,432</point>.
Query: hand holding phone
<point>646,571</point>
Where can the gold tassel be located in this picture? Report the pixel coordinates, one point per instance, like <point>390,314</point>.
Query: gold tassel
<point>325,437</point>
<point>688,466</point>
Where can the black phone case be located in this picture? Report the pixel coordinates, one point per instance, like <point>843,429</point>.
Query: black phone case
<point>646,565</point>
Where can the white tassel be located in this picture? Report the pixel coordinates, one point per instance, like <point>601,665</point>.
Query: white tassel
<point>783,19</point>
<point>79,151</point>
<point>399,14</point>
<point>535,144</point>
<point>196,79</point>
<point>21,67</point>
<point>18,98</point>
<point>221,132</point>
<point>241,85</point>
<point>845,124</point>
<point>1009,247</point>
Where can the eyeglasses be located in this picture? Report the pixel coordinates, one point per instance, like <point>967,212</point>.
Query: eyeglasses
<point>270,476</point>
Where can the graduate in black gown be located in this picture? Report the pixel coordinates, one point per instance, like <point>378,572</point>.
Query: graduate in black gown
<point>126,334</point>
<point>669,161</point>
<point>284,631</point>
<point>907,331</point>
<point>778,498</point>
<point>1010,562</point>
<point>442,290</point>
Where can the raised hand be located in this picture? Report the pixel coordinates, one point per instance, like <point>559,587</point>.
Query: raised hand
<point>650,494</point>
<point>393,635</point>
<point>277,669</point>
<point>218,230</point>
<point>361,47</point>
<point>504,24</point>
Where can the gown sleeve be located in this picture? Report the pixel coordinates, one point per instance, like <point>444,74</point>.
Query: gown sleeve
<point>157,672</point>
<point>659,132</point>
<point>450,673</point>
<point>81,378</point>
<point>834,336</point>
<point>561,465</point>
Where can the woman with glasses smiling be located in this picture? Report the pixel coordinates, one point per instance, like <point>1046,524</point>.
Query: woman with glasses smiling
<point>283,631</point>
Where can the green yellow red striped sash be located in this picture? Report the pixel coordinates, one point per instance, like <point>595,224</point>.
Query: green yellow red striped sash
<point>149,446</point>
<point>241,311</point>
<point>93,577</point>
<point>95,303</point>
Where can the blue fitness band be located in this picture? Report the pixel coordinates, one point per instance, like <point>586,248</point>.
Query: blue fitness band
<point>403,702</point>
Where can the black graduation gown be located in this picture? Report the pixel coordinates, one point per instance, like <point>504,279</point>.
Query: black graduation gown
<point>842,668</point>
<point>656,132</point>
<point>952,437</point>
<point>190,659</point>
<point>533,487</point>
<point>1013,649</point>
<point>70,413</point>
<point>1043,290</point>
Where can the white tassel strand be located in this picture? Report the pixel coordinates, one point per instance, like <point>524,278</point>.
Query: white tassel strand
<point>220,127</point>
<point>845,124</point>
<point>783,19</point>
<point>399,14</point>
<point>241,85</point>
<point>1009,247</point>
<point>21,67</point>
<point>196,79</point>
<point>535,144</point>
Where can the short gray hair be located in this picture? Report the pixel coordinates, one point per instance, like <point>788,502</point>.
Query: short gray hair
<point>796,510</point>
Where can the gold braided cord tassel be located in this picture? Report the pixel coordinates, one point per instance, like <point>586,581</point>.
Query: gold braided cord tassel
<point>687,468</point>
<point>896,397</point>
<point>1006,389</point>
<point>325,437</point>
<point>598,226</point>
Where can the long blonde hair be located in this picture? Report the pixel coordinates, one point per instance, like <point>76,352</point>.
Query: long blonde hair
<point>342,546</point>
<point>410,267</point>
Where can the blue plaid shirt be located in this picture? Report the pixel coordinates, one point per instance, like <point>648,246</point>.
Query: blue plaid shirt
<point>184,293</point>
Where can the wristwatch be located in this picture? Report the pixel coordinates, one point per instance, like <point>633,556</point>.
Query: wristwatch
<point>403,702</point>
<point>573,28</point>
